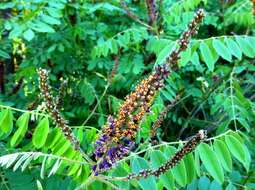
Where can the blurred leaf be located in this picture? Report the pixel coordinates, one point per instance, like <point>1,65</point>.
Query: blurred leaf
<point>4,54</point>
<point>41,132</point>
<point>190,167</point>
<point>236,148</point>
<point>138,164</point>
<point>223,154</point>
<point>222,50</point>
<point>179,171</point>
<point>22,124</point>
<point>42,27</point>
<point>234,48</point>
<point>6,121</point>
<point>207,56</point>
<point>157,158</point>
<point>50,20</point>
<point>210,161</point>
<point>215,186</point>
<point>203,183</point>
<point>29,35</point>
<point>245,46</point>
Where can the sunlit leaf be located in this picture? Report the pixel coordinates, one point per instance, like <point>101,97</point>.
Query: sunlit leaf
<point>210,161</point>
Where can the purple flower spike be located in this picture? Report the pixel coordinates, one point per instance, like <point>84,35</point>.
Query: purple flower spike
<point>111,122</point>
<point>107,153</point>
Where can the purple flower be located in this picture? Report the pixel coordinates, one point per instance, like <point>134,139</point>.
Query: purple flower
<point>113,154</point>
<point>111,122</point>
<point>108,153</point>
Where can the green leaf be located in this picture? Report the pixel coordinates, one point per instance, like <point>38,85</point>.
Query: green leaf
<point>190,167</point>
<point>138,64</point>
<point>53,137</point>
<point>20,161</point>
<point>7,5</point>
<point>8,160</point>
<point>50,20</point>
<point>195,61</point>
<point>215,186</point>
<point>16,31</point>
<point>4,54</point>
<point>185,57</point>
<point>157,158</point>
<point>22,124</point>
<point>41,133</point>
<point>207,56</point>
<point>233,48</point>
<point>222,50</point>
<point>223,154</point>
<point>27,162</point>
<point>247,158</point>
<point>197,163</point>
<point>43,167</point>
<point>39,185</point>
<point>139,164</point>
<point>121,170</point>
<point>55,167</point>
<point>113,46</point>
<point>29,35</point>
<point>87,91</point>
<point>178,171</point>
<point>164,53</point>
<point>244,123</point>
<point>42,27</point>
<point>245,46</point>
<point>54,12</point>
<point>61,147</point>
<point>6,123</point>
<point>236,148</point>
<point>203,183</point>
<point>230,187</point>
<point>210,161</point>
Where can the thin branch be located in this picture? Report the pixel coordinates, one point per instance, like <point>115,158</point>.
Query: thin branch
<point>171,163</point>
<point>24,111</point>
<point>133,16</point>
<point>98,103</point>
<point>168,143</point>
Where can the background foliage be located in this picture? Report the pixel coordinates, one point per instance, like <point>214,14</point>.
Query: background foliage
<point>103,54</point>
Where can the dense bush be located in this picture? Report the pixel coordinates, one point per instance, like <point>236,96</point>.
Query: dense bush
<point>67,66</point>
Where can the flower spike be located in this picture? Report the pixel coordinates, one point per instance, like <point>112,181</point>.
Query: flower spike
<point>185,38</point>
<point>52,108</point>
<point>123,129</point>
<point>172,162</point>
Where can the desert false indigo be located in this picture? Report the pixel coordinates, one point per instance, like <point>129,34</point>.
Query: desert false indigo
<point>185,38</point>
<point>173,161</point>
<point>161,116</point>
<point>52,108</point>
<point>135,106</point>
<point>152,13</point>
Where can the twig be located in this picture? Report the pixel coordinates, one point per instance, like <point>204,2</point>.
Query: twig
<point>172,162</point>
<point>98,102</point>
<point>132,15</point>
<point>24,111</point>
<point>169,143</point>
<point>161,116</point>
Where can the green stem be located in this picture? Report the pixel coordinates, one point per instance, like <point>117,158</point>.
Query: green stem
<point>98,103</point>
